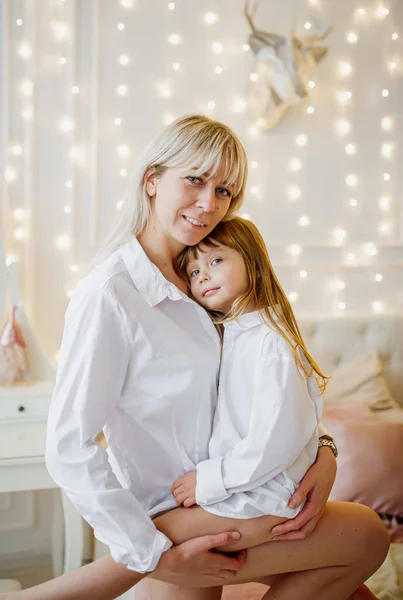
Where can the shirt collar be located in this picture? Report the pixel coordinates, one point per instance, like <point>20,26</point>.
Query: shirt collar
<point>249,320</point>
<point>147,278</point>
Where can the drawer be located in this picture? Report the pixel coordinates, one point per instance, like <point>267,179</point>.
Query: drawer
<point>24,407</point>
<point>20,440</point>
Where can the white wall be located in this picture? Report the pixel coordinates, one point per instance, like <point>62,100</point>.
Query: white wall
<point>156,93</point>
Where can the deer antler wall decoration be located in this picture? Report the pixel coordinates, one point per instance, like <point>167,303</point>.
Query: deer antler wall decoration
<point>283,69</point>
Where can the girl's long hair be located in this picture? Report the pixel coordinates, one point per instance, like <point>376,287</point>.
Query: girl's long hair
<point>191,142</point>
<point>264,289</point>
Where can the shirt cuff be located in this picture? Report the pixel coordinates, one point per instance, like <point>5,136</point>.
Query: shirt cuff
<point>142,562</point>
<point>209,484</point>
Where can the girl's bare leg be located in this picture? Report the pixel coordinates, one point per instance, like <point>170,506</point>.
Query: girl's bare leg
<point>347,546</point>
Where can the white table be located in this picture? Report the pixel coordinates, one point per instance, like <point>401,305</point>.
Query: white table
<point>25,474</point>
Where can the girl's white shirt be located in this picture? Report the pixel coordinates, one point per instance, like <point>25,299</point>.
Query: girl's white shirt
<point>140,360</point>
<point>265,433</point>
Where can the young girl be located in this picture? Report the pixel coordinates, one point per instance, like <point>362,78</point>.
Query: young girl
<point>265,435</point>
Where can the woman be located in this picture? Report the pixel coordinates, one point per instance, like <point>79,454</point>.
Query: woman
<point>140,360</point>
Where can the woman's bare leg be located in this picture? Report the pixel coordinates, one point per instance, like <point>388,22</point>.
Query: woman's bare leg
<point>347,546</point>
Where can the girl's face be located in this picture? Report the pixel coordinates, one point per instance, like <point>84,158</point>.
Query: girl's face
<point>186,208</point>
<point>217,277</point>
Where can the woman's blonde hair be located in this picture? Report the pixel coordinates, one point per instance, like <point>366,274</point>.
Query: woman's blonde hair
<point>264,289</point>
<point>191,142</point>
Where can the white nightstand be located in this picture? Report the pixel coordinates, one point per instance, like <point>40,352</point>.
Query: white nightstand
<point>23,414</point>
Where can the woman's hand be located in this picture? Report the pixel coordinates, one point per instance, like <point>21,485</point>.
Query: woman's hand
<point>197,558</point>
<point>184,489</point>
<point>315,487</point>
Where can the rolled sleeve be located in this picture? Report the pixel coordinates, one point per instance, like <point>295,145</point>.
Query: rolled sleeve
<point>210,487</point>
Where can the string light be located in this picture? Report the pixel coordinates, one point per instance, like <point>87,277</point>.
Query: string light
<point>385,93</point>
<point>16,150</point>
<point>123,59</point>
<point>63,242</point>
<point>311,84</point>
<point>395,36</point>
<point>353,202</point>
<point>310,110</point>
<point>122,90</point>
<point>301,140</point>
<point>211,18</point>
<point>253,76</point>
<point>370,249</point>
<point>217,47</point>
<point>121,26</point>
<point>294,249</point>
<point>386,176</point>
<point>345,69</point>
<point>293,296</point>
<point>175,39</point>
<point>352,37</point>
<point>384,203</point>
<point>294,192</point>
<point>304,221</point>
<point>343,127</point>
<point>378,307</point>
<point>171,6</point>
<point>245,47</point>
<point>254,164</point>
<point>303,274</point>
<point>295,164</point>
<point>351,180</point>
<point>386,123</point>
<point>342,305</point>
<point>218,70</point>
<point>308,25</point>
<point>339,235</point>
<point>378,277</point>
<point>351,149</point>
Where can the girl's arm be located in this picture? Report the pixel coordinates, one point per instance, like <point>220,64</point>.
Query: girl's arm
<point>283,420</point>
<point>93,361</point>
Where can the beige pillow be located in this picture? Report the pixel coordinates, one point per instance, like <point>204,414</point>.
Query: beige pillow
<point>360,381</point>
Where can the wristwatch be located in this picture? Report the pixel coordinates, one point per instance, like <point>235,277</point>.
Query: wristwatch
<point>327,441</point>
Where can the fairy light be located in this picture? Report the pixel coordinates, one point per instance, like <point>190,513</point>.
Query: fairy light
<point>119,204</point>
<point>63,60</point>
<point>245,47</point>
<point>10,174</point>
<point>217,47</point>
<point>218,70</point>
<point>75,89</point>
<point>392,65</point>
<point>123,150</point>
<point>121,26</point>
<point>122,90</point>
<point>361,12</point>
<point>253,76</point>
<point>171,6</point>
<point>27,87</point>
<point>303,274</point>
<point>345,69</point>
<point>378,307</point>
<point>246,216</point>
<point>60,31</point>
<point>293,296</point>
<point>384,203</point>
<point>295,164</point>
<point>19,214</point>
<point>68,184</point>
<point>339,235</point>
<point>386,150</point>
<point>254,164</point>
<point>395,36</point>
<point>378,277</point>
<point>254,189</point>
<point>25,50</point>
<point>211,104</point>
<point>311,84</point>
<point>343,127</point>
<point>16,150</point>
<point>294,249</point>
<point>66,124</point>
<point>384,228</point>
<point>386,176</point>
<point>385,93</point>
<point>19,234</point>
<point>351,180</point>
<point>308,25</point>
<point>342,305</point>
<point>123,172</point>
<point>351,149</point>
<point>386,123</point>
<point>126,3</point>
<point>310,110</point>
<point>344,97</point>
<point>352,37</point>
<point>63,242</point>
<point>123,59</point>
<point>176,66</point>
<point>301,140</point>
<point>294,192</point>
<point>117,121</point>
<point>211,18</point>
<point>67,209</point>
<point>382,12</point>
<point>353,202</point>
<point>175,39</point>
<point>19,22</point>
<point>304,221</point>
<point>370,249</point>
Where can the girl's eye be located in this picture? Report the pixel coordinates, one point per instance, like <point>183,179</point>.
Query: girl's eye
<point>194,273</point>
<point>194,179</point>
<point>224,192</point>
<point>216,261</point>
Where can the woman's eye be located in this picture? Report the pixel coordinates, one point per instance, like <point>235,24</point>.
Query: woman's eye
<point>194,273</point>
<point>193,179</point>
<point>216,261</point>
<point>224,192</point>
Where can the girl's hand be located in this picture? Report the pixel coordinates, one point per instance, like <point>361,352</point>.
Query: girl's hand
<point>315,487</point>
<point>184,489</point>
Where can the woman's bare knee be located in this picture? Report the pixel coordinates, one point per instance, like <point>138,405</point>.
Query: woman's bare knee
<point>373,540</point>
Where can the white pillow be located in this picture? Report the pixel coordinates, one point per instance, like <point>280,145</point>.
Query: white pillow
<point>360,381</point>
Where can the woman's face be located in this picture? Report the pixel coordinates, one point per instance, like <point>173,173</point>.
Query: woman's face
<point>185,207</point>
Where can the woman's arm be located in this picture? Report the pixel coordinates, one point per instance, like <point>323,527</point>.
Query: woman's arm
<point>93,362</point>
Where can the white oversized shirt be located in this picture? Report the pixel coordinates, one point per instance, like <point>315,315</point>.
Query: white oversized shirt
<point>140,360</point>
<point>265,433</point>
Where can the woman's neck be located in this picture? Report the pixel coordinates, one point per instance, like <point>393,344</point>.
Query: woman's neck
<point>162,252</point>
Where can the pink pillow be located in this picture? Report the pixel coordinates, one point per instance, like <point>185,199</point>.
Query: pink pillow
<point>370,462</point>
